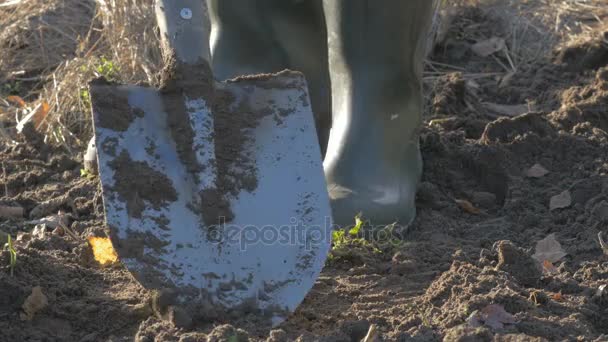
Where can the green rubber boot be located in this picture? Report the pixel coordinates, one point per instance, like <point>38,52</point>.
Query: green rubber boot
<point>372,50</point>
<point>265,36</point>
<point>373,162</point>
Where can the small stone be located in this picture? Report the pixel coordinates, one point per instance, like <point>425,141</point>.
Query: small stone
<point>484,199</point>
<point>561,201</point>
<point>537,171</point>
<point>39,231</point>
<point>516,262</point>
<point>33,304</point>
<point>23,237</point>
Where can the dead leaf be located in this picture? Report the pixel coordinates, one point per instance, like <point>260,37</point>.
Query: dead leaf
<point>536,171</point>
<point>34,303</point>
<point>508,110</point>
<point>563,200</point>
<point>603,245</point>
<point>41,114</point>
<point>549,268</point>
<point>494,316</point>
<point>467,206</point>
<point>16,100</point>
<point>103,250</point>
<point>506,80</point>
<point>549,249</point>
<point>488,47</point>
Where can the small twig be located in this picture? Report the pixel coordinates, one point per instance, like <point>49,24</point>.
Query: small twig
<point>372,334</point>
<point>506,51</point>
<point>69,231</point>
<point>600,237</point>
<point>4,180</point>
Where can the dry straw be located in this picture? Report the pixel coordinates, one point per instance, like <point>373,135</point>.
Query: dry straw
<point>56,47</point>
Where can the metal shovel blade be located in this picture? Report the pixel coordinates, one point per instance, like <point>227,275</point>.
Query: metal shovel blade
<point>221,198</point>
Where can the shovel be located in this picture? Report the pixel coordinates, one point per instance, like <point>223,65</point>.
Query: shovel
<point>213,190</point>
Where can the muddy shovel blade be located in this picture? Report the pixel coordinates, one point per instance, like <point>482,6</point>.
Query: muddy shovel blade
<point>228,208</point>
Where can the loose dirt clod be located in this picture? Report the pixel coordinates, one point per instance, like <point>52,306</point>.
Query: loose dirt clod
<point>536,171</point>
<point>516,262</point>
<point>34,303</point>
<point>137,182</point>
<point>114,110</point>
<point>560,201</point>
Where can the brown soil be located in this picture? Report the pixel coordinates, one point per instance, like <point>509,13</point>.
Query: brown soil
<point>180,80</point>
<point>447,269</point>
<point>136,181</point>
<point>235,169</point>
<point>116,113</point>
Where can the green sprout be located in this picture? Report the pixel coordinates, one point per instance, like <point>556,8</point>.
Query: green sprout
<point>12,88</point>
<point>106,68</point>
<point>84,173</point>
<point>358,242</point>
<point>11,249</point>
<point>85,96</point>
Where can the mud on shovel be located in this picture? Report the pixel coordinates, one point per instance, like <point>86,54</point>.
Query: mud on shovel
<point>214,190</point>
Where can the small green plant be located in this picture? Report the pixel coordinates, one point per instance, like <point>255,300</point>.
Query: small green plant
<point>85,97</point>
<point>351,244</point>
<point>106,68</point>
<point>11,249</point>
<point>84,173</point>
<point>12,88</point>
<point>362,241</point>
<point>345,237</point>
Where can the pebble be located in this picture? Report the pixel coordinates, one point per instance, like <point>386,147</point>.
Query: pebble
<point>33,304</point>
<point>516,262</point>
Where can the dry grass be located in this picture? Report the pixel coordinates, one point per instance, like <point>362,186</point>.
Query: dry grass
<point>62,45</point>
<point>37,36</point>
<point>531,29</point>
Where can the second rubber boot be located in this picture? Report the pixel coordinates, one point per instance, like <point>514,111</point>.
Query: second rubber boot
<point>373,162</point>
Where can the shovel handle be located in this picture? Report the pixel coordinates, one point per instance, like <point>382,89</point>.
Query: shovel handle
<point>183,29</point>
